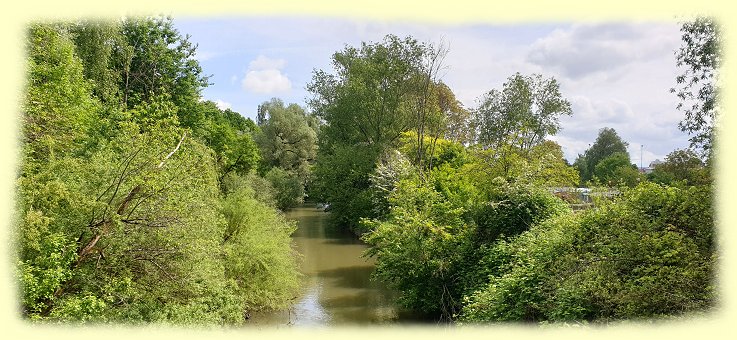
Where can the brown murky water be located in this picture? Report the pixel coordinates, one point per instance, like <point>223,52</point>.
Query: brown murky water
<point>337,289</point>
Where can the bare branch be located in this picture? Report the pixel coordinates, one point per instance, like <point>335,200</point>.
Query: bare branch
<point>173,151</point>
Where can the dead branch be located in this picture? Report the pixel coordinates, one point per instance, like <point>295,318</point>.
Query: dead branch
<point>173,151</point>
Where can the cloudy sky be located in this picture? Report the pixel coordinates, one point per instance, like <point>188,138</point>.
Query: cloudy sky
<point>615,74</point>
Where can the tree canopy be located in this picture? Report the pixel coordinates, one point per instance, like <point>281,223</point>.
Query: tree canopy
<point>365,106</point>
<point>607,143</point>
<point>525,111</point>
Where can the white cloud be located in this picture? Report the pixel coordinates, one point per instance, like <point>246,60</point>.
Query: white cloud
<point>583,50</point>
<point>266,81</point>
<point>264,76</point>
<point>223,104</point>
<point>264,63</point>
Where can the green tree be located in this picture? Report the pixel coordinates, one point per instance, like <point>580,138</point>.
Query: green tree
<point>367,100</point>
<point>162,63</point>
<point>698,86</point>
<point>365,106</point>
<point>58,110</point>
<point>523,113</point>
<point>230,136</point>
<point>105,54</point>
<point>607,143</point>
<point>681,165</point>
<point>617,169</point>
<point>287,138</point>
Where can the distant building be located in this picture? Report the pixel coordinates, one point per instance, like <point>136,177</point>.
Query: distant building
<point>650,167</point>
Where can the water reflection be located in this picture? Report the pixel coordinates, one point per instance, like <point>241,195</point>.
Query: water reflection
<point>308,311</point>
<point>337,288</point>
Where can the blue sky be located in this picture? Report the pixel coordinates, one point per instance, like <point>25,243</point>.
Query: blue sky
<point>615,74</point>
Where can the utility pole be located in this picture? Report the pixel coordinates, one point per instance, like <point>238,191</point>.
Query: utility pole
<point>641,156</point>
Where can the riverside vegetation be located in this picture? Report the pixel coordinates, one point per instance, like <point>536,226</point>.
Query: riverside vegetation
<point>139,202</point>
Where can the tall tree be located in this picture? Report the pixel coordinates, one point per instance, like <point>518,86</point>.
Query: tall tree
<point>105,53</point>
<point>366,101</point>
<point>429,115</point>
<point>607,143</point>
<point>698,87</point>
<point>287,139</point>
<point>58,110</point>
<point>162,64</point>
<point>365,105</point>
<point>523,113</point>
<point>288,136</point>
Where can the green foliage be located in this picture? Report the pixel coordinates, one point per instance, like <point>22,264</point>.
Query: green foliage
<point>392,168</point>
<point>290,190</point>
<point>103,50</point>
<point>257,251</point>
<point>365,106</point>
<point>367,99</point>
<point>617,169</point>
<point>698,86</point>
<point>416,248</point>
<point>607,143</point>
<point>525,111</point>
<point>57,109</point>
<point>436,153</point>
<point>287,139</point>
<point>120,216</point>
<point>161,62</point>
<point>342,180</point>
<point>431,246</point>
<point>682,166</point>
<point>647,254</point>
<point>542,165</point>
<point>230,136</point>
<point>511,210</point>
<point>123,213</point>
<point>262,189</point>
<point>546,167</point>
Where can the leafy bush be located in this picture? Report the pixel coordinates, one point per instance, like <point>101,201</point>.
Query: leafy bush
<point>288,186</point>
<point>257,251</point>
<point>342,180</point>
<point>648,253</point>
<point>433,251</point>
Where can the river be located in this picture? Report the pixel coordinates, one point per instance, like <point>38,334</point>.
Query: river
<point>337,289</point>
